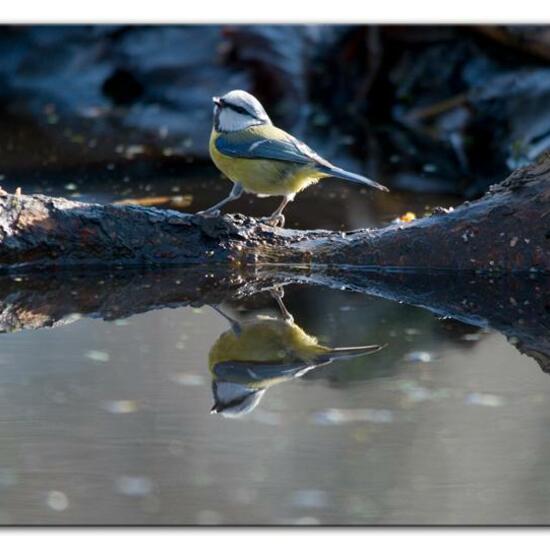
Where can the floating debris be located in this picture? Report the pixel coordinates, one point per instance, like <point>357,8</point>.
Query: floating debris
<point>418,357</point>
<point>133,150</point>
<point>133,486</point>
<point>307,520</point>
<point>176,447</point>
<point>57,501</point>
<point>407,217</point>
<point>97,355</point>
<point>8,477</point>
<point>416,393</point>
<point>187,379</point>
<point>440,210</point>
<point>345,416</point>
<point>57,397</point>
<point>244,495</point>
<point>484,399</point>
<point>150,504</point>
<point>473,337</point>
<point>209,517</point>
<point>309,498</point>
<point>174,201</point>
<point>120,407</point>
<point>93,112</point>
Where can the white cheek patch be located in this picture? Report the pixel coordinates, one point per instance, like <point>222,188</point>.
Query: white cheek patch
<point>229,391</point>
<point>230,121</point>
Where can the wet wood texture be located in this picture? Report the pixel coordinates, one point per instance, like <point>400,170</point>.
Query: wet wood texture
<point>517,305</point>
<point>508,229</point>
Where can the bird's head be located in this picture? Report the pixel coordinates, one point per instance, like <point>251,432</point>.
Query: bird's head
<point>234,400</point>
<point>238,110</point>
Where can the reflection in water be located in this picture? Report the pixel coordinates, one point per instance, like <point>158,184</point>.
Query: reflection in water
<point>104,417</point>
<point>254,355</point>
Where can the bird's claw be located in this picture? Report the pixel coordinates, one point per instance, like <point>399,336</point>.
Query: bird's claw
<point>274,221</point>
<point>277,292</point>
<point>209,213</point>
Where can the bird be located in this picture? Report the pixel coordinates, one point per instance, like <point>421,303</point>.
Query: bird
<point>262,159</point>
<point>259,353</point>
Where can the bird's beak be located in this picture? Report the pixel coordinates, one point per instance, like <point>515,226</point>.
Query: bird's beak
<point>216,101</point>
<point>215,409</point>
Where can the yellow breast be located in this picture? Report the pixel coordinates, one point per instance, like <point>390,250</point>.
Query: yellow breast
<point>262,176</point>
<point>268,340</point>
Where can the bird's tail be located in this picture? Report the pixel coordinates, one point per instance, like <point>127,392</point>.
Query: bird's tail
<point>348,353</point>
<point>350,176</point>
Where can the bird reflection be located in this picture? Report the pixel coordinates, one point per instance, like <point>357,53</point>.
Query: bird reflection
<point>256,354</point>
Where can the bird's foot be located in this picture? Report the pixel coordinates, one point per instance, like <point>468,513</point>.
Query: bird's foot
<point>277,292</point>
<point>209,213</point>
<point>274,221</point>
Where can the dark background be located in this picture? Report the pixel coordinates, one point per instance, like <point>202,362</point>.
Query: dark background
<point>444,109</point>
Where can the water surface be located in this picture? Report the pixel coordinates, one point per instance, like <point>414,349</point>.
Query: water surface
<point>105,417</point>
<point>109,422</point>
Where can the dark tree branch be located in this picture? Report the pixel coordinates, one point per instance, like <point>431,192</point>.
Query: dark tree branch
<point>508,229</point>
<point>516,305</point>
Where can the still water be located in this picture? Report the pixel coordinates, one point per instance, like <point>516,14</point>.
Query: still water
<point>109,422</point>
<point>105,418</point>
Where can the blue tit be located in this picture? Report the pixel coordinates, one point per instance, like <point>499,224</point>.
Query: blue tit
<point>262,159</point>
<point>260,353</point>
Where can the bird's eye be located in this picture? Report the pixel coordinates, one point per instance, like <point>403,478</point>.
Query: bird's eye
<point>236,108</point>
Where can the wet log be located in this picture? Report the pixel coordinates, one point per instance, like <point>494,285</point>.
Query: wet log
<point>517,305</point>
<point>506,230</point>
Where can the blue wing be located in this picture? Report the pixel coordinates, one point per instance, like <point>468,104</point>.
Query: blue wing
<point>248,371</point>
<point>287,149</point>
<point>275,144</point>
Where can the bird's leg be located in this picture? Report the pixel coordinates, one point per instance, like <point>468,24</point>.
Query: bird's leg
<point>235,325</point>
<point>277,218</point>
<point>278,294</point>
<point>236,192</point>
